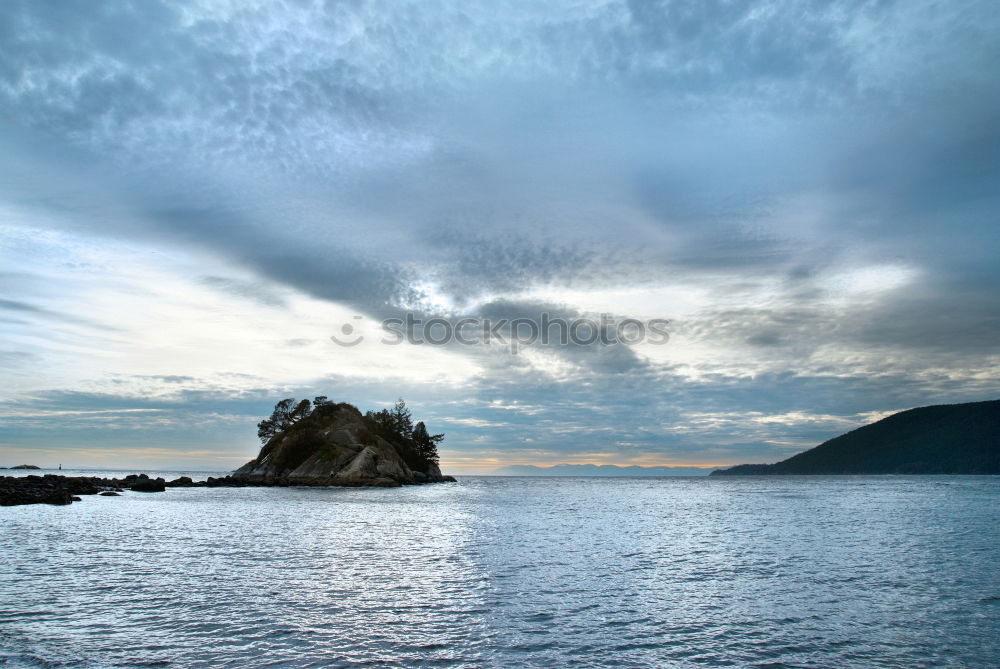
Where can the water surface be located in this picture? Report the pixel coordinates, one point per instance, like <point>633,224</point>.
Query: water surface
<point>768,572</point>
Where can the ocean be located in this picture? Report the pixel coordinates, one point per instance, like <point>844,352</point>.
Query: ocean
<point>853,571</point>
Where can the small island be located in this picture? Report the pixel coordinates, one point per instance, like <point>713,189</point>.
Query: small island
<point>940,439</point>
<point>327,443</point>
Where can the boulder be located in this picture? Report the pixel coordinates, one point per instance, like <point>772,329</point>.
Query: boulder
<point>58,489</point>
<point>181,482</point>
<point>16,490</point>
<point>146,484</point>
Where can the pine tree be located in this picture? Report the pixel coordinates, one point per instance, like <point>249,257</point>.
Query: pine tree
<point>426,443</point>
<point>286,413</point>
<point>401,419</point>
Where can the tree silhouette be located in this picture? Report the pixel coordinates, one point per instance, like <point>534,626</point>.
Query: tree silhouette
<point>402,419</point>
<point>426,443</point>
<point>286,413</point>
<point>398,420</point>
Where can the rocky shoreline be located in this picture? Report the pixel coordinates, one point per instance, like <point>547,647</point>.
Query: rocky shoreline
<point>58,489</point>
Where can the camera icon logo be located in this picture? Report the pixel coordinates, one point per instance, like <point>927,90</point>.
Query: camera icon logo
<point>349,338</point>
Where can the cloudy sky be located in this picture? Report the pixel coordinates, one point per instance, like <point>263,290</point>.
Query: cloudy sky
<point>195,196</point>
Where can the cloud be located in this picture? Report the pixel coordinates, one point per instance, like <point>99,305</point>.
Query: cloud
<point>31,310</point>
<point>806,190</point>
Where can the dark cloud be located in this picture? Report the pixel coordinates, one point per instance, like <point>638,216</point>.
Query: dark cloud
<point>931,316</point>
<point>474,265</point>
<point>447,160</point>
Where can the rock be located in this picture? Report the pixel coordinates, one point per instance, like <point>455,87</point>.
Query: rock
<point>32,490</point>
<point>181,482</point>
<point>58,489</point>
<point>25,467</point>
<point>81,485</point>
<point>147,484</point>
<point>109,493</point>
<point>363,466</point>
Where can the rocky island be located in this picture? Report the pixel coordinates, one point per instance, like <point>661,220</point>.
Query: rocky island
<point>327,443</point>
<point>940,439</point>
<point>318,443</point>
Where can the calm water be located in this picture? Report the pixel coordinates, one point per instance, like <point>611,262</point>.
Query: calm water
<point>769,572</point>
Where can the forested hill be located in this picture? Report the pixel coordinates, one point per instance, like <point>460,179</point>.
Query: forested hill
<point>328,443</point>
<point>941,439</point>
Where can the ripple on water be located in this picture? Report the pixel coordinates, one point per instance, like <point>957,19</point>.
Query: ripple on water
<point>844,571</point>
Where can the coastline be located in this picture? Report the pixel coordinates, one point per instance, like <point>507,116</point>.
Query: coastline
<point>58,489</point>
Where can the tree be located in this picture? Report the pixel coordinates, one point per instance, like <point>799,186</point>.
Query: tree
<point>382,417</point>
<point>426,443</point>
<point>282,412</point>
<point>419,447</point>
<point>286,413</point>
<point>398,420</point>
<point>401,419</point>
<point>323,407</point>
<point>301,410</point>
<point>266,429</point>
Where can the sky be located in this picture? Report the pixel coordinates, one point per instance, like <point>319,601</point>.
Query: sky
<point>195,196</point>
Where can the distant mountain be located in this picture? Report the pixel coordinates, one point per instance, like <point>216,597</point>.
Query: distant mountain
<point>599,470</point>
<point>942,439</point>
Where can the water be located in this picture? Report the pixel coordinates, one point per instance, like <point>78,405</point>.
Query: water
<point>685,572</point>
<point>166,474</point>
